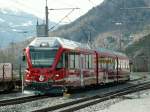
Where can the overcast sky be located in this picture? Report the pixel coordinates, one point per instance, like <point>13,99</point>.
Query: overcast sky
<point>37,7</point>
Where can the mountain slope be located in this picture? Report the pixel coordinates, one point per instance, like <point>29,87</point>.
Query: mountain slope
<point>16,26</point>
<point>104,19</point>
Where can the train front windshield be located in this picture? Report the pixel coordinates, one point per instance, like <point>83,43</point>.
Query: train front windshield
<point>42,57</point>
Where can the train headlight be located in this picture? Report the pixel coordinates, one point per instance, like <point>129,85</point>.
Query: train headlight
<point>57,75</point>
<point>41,78</point>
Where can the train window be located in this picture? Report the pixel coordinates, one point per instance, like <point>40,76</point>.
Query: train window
<point>115,63</point>
<point>119,63</point>
<point>72,60</point>
<point>86,61</point>
<point>128,65</point>
<point>110,63</point>
<point>77,61</point>
<point>103,62</point>
<point>42,58</point>
<point>90,61</point>
<point>83,61</point>
<point>122,63</point>
<point>61,62</point>
<point>66,60</point>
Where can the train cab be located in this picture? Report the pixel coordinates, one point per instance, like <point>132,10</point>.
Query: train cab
<point>56,63</point>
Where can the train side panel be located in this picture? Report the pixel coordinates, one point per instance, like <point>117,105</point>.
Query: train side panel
<point>112,68</point>
<point>123,69</point>
<point>80,69</point>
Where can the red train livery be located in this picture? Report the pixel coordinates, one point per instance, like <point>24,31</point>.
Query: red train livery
<point>56,64</point>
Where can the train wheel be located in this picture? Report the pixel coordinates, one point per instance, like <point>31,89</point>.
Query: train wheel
<point>11,86</point>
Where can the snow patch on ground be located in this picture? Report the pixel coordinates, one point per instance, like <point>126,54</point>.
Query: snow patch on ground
<point>136,105</point>
<point>139,103</point>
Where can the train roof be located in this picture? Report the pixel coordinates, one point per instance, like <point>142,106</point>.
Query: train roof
<point>57,42</point>
<point>111,52</point>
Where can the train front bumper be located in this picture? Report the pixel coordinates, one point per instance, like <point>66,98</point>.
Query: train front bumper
<point>43,88</point>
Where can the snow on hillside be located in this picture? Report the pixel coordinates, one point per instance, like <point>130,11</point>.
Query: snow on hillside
<point>15,26</point>
<point>16,6</point>
<point>17,21</point>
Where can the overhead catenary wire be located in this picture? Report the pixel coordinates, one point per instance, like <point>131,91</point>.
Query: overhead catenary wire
<point>62,19</point>
<point>64,8</point>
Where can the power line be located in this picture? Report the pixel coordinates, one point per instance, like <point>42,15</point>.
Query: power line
<point>61,19</point>
<point>64,8</point>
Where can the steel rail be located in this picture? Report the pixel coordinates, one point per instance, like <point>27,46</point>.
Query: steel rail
<point>21,100</point>
<point>95,99</point>
<point>99,100</point>
<point>33,98</point>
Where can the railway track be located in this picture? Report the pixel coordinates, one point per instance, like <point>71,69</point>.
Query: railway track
<point>21,100</point>
<point>88,101</point>
<point>34,98</point>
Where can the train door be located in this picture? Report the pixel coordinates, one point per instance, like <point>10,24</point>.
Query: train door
<point>117,68</point>
<point>81,69</point>
<point>102,75</point>
<point>88,73</point>
<point>111,69</point>
<point>73,72</point>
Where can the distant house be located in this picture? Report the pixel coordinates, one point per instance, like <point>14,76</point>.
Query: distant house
<point>141,61</point>
<point>139,53</point>
<point>41,30</point>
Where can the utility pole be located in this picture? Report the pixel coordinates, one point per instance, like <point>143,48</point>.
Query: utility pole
<point>46,19</point>
<point>120,37</point>
<point>47,14</point>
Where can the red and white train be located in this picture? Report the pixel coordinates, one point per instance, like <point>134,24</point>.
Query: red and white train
<point>56,64</point>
